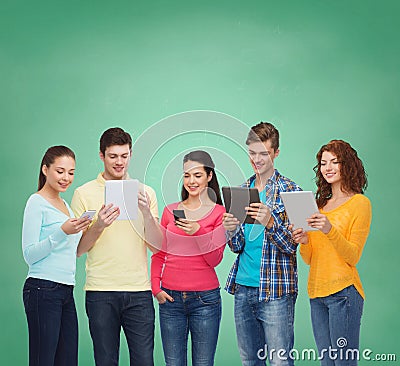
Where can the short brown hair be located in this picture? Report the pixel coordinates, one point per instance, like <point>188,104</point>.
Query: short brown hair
<point>114,136</point>
<point>264,131</point>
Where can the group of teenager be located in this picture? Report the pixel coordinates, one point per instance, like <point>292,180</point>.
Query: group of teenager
<point>185,252</point>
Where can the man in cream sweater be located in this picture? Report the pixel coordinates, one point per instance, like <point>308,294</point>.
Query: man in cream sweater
<point>117,285</point>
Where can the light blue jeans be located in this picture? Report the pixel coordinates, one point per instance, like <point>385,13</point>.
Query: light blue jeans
<point>336,321</point>
<point>264,329</point>
<point>197,312</point>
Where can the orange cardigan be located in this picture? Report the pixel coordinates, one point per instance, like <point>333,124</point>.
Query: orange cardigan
<point>333,257</point>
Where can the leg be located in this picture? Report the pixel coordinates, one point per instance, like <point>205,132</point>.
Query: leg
<point>138,325</point>
<point>103,311</point>
<point>249,331</point>
<point>204,321</point>
<point>345,310</point>
<point>67,349</point>
<point>277,317</point>
<point>43,306</point>
<point>174,330</point>
<point>320,323</point>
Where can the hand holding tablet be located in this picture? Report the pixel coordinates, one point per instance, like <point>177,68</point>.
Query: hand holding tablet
<point>124,195</point>
<point>236,200</point>
<point>300,206</point>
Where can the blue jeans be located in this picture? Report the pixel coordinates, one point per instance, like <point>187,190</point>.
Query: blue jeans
<point>52,323</point>
<point>336,321</point>
<point>108,311</point>
<point>264,329</point>
<point>197,312</point>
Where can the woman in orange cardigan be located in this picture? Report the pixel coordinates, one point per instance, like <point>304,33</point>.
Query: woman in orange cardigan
<point>332,252</point>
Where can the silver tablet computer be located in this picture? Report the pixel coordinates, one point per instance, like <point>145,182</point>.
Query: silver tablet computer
<point>124,194</point>
<point>299,206</point>
<point>237,198</point>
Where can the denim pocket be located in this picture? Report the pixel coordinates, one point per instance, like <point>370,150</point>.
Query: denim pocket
<point>236,288</point>
<point>341,295</point>
<point>101,296</point>
<point>211,297</point>
<point>50,287</point>
<point>40,284</point>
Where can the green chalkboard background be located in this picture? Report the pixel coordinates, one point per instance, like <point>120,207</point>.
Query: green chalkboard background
<point>317,69</point>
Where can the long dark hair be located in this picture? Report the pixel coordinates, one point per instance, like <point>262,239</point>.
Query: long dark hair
<point>204,158</point>
<point>352,172</point>
<point>50,155</point>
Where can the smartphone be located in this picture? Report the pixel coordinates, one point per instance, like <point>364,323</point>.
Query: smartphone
<point>89,214</point>
<point>179,214</point>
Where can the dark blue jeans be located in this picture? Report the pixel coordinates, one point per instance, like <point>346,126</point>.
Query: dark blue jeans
<point>108,311</point>
<point>197,312</point>
<point>52,323</point>
<point>336,321</point>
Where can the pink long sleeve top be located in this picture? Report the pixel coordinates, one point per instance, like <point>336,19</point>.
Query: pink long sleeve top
<point>187,262</point>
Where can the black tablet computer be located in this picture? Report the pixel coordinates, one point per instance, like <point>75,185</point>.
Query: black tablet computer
<point>237,198</point>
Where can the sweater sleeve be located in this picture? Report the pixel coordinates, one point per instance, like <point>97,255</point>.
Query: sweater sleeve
<point>306,251</point>
<point>351,249</point>
<point>157,263</point>
<point>33,248</point>
<point>213,243</point>
<point>77,204</point>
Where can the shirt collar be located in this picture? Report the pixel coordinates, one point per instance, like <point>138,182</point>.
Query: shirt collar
<point>102,181</point>
<point>271,181</point>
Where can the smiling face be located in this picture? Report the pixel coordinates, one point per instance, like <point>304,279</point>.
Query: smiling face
<point>262,157</point>
<point>330,168</point>
<point>116,161</point>
<point>195,178</point>
<point>60,174</point>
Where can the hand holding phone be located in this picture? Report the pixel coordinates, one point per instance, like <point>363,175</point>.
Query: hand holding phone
<point>179,214</point>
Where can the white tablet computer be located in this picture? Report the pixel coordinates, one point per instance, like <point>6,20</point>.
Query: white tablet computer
<point>123,194</point>
<point>299,206</point>
<point>237,198</point>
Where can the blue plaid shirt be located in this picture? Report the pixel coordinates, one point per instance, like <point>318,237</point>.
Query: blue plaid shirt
<point>278,268</point>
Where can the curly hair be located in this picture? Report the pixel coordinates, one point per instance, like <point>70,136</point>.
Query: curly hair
<point>352,172</point>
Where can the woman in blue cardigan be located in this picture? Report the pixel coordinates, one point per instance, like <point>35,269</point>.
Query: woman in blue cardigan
<point>50,236</point>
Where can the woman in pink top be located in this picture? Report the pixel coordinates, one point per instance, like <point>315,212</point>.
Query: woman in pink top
<point>183,277</point>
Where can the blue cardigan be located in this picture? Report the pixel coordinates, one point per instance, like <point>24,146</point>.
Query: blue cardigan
<point>49,252</point>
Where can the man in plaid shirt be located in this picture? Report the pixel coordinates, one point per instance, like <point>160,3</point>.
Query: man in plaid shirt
<point>263,278</point>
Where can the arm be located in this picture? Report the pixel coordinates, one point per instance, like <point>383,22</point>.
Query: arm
<point>234,233</point>
<point>157,262</point>
<point>105,218</point>
<point>33,249</point>
<point>306,252</point>
<point>236,242</point>
<point>215,257</point>
<point>214,244</point>
<point>152,229</point>
<point>351,249</point>
<point>280,234</point>
<point>304,238</point>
